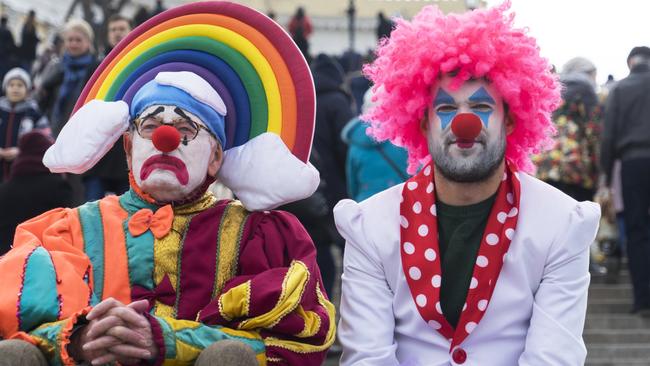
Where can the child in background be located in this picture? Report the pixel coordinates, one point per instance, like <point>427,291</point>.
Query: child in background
<point>371,166</point>
<point>18,115</point>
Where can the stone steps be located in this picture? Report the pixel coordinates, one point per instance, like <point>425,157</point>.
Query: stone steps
<point>619,362</point>
<point>613,336</point>
<point>609,305</point>
<point>618,336</point>
<point>604,322</point>
<point>615,352</point>
<point>623,277</point>
<point>613,291</point>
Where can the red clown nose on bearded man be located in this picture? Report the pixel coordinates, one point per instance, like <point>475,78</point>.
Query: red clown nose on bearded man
<point>466,126</point>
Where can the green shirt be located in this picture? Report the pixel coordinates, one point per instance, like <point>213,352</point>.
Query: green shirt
<point>460,229</point>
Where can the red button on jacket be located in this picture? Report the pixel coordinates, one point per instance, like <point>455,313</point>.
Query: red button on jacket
<point>459,355</point>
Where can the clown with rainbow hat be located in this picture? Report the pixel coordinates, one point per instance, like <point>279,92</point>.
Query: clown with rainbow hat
<point>166,273</point>
<point>471,261</point>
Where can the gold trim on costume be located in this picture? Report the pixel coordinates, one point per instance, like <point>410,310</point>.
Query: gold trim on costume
<point>48,349</point>
<point>206,201</point>
<point>235,303</point>
<point>298,347</point>
<point>166,254</point>
<point>293,286</point>
<point>167,251</point>
<point>312,322</point>
<point>230,231</point>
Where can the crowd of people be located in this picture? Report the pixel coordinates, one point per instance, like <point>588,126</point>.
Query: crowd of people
<point>53,81</point>
<point>39,93</point>
<point>601,151</point>
<point>600,130</point>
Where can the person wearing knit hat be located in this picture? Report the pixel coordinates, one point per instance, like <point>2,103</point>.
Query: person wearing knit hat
<point>471,261</point>
<point>166,273</point>
<point>31,189</point>
<point>17,73</point>
<point>19,114</point>
<point>640,53</point>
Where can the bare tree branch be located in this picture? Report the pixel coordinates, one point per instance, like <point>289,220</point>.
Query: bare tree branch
<point>120,5</point>
<point>71,9</point>
<point>86,5</point>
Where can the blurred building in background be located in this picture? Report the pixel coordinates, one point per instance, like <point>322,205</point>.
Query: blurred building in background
<point>330,18</point>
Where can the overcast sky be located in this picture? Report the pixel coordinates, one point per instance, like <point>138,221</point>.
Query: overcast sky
<point>604,31</point>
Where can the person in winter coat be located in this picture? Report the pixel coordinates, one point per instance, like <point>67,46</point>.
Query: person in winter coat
<point>7,47</point>
<point>384,26</point>
<point>626,137</point>
<point>18,115</point>
<point>300,29</point>
<point>29,41</point>
<point>572,165</point>
<point>31,189</point>
<point>117,28</point>
<point>63,81</point>
<point>333,111</point>
<point>371,166</point>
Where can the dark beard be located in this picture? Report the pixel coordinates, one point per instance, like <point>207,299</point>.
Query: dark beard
<point>482,168</point>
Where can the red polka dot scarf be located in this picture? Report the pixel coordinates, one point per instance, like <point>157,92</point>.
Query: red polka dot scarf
<point>420,251</point>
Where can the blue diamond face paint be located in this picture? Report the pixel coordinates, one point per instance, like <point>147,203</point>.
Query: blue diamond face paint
<point>482,104</point>
<point>445,114</point>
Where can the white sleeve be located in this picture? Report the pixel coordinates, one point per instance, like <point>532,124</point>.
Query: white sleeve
<point>367,322</point>
<point>87,137</point>
<point>560,305</point>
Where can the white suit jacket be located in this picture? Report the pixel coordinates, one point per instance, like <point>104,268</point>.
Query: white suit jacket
<point>537,311</point>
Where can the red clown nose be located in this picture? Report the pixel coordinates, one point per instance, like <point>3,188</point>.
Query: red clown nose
<point>166,138</point>
<point>466,126</point>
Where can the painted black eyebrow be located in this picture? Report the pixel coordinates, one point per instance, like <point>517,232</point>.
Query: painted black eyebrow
<point>155,112</point>
<point>182,114</point>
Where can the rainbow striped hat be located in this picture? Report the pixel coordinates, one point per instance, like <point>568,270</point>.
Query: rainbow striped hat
<point>246,57</point>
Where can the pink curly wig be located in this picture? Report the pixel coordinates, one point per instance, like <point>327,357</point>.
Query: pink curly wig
<point>477,44</point>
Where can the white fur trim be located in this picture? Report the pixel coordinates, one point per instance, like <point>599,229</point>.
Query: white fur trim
<point>264,174</point>
<point>195,86</point>
<point>87,136</point>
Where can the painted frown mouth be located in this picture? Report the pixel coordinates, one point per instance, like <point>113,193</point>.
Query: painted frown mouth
<point>165,162</point>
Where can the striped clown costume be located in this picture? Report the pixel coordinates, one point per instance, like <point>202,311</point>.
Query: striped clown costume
<point>210,269</point>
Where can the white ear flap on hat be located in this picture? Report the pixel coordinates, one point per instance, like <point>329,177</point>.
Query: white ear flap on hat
<point>87,136</point>
<point>264,174</point>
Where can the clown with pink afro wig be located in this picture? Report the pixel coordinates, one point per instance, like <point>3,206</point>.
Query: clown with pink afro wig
<point>470,261</point>
<point>473,45</point>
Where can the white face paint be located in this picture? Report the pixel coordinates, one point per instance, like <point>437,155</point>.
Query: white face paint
<point>174,175</point>
<point>462,161</point>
